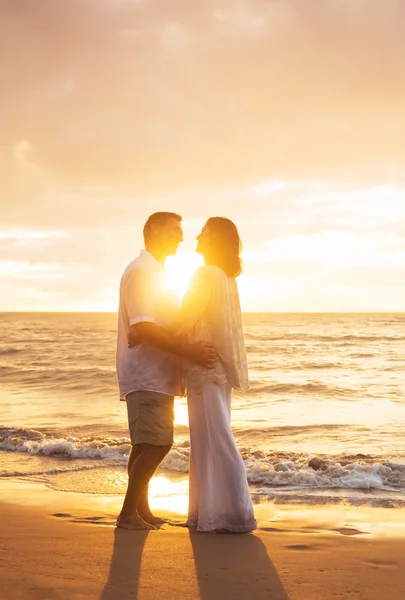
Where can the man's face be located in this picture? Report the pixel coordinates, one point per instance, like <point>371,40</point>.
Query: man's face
<point>171,234</point>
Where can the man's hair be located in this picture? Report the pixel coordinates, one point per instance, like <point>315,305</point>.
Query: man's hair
<point>158,218</point>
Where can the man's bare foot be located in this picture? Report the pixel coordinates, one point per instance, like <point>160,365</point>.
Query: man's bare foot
<point>152,519</point>
<point>133,522</point>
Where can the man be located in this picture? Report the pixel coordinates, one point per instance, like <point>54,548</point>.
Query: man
<point>147,373</point>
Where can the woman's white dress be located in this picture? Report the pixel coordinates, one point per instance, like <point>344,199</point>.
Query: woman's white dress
<point>219,496</point>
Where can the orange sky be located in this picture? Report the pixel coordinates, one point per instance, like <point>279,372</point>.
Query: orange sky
<point>287,116</point>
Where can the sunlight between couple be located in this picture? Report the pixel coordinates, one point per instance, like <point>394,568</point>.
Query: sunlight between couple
<point>164,349</point>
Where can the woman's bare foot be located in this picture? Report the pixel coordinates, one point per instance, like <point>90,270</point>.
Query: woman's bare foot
<point>220,531</point>
<point>228,531</point>
<point>133,522</point>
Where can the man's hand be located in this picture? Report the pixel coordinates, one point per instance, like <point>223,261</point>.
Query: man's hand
<point>202,354</point>
<point>149,333</point>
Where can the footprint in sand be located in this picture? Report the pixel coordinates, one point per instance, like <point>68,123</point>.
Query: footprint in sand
<point>94,521</point>
<point>382,563</point>
<point>88,520</point>
<point>301,547</point>
<point>349,531</point>
<point>97,520</point>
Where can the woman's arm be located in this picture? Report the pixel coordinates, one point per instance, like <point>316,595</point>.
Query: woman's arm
<point>195,300</point>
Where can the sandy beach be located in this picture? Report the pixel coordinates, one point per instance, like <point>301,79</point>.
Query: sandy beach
<point>202,202</point>
<point>57,546</point>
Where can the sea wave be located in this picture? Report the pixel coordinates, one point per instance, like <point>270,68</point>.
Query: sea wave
<point>331,474</point>
<point>6,351</point>
<point>273,470</point>
<point>56,471</point>
<point>310,387</point>
<point>318,365</point>
<point>90,447</point>
<point>75,378</point>
<point>329,497</point>
<point>265,336</point>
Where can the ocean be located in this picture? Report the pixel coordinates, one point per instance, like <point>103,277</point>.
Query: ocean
<point>322,422</point>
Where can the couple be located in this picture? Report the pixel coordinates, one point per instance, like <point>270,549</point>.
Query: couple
<point>207,331</point>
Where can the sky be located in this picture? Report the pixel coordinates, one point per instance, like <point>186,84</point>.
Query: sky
<point>287,116</point>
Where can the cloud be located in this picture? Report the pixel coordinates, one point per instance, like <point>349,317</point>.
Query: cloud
<point>146,97</point>
<point>288,116</point>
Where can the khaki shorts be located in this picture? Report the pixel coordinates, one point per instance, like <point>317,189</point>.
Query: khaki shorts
<point>150,418</point>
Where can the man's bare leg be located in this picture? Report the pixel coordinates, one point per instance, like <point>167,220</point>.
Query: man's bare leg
<point>144,510</point>
<point>133,455</point>
<point>143,464</point>
<point>138,523</point>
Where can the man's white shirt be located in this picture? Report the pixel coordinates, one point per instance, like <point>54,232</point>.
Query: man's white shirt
<point>145,297</point>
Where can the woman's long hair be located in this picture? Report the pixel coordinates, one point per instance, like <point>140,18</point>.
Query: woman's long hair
<point>226,245</point>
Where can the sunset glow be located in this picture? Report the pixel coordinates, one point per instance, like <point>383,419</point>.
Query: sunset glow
<point>180,270</point>
<point>286,117</point>
<point>227,423</point>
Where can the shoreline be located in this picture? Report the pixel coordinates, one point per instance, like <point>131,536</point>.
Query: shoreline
<point>337,517</point>
<point>63,545</point>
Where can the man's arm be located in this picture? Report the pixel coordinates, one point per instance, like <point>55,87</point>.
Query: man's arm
<point>200,353</point>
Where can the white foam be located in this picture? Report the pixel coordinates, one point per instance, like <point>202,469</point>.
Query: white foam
<point>261,469</point>
<point>357,475</point>
<point>177,460</point>
<point>69,448</point>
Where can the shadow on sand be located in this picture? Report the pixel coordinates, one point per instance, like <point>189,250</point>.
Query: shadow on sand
<point>226,566</point>
<point>234,566</point>
<point>125,568</point>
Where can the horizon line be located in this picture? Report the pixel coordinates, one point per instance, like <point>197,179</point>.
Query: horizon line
<point>252,312</point>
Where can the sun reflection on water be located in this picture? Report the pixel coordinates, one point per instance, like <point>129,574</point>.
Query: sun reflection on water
<point>166,494</point>
<point>180,412</point>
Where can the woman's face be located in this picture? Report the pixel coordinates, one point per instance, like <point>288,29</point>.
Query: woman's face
<point>204,240</point>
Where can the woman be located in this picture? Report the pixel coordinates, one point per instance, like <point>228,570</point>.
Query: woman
<point>219,497</point>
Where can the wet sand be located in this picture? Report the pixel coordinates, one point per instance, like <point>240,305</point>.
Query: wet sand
<point>57,546</point>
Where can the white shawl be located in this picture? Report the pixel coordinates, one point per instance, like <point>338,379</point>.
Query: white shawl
<point>211,313</point>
